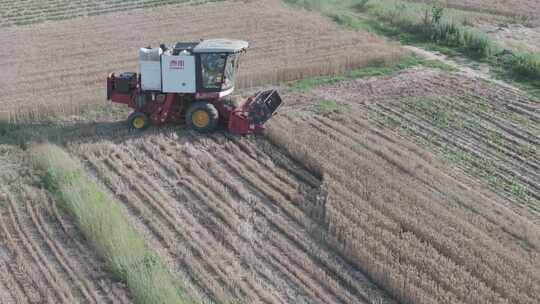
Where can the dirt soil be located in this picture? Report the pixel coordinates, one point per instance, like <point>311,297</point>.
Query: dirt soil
<point>514,36</point>
<point>464,66</point>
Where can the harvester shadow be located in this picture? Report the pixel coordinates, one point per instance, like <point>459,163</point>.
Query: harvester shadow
<point>26,134</point>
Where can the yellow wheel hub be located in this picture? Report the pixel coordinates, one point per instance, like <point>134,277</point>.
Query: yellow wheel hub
<point>200,118</point>
<point>138,122</point>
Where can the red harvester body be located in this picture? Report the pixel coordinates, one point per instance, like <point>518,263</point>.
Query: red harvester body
<point>192,83</point>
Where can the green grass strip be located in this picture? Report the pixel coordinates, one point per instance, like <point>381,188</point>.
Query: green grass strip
<point>307,84</point>
<point>100,219</point>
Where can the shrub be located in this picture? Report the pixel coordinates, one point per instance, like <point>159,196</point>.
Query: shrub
<point>326,107</point>
<point>447,33</point>
<point>472,42</point>
<point>361,5</point>
<point>437,12</point>
<point>525,65</point>
<point>478,44</point>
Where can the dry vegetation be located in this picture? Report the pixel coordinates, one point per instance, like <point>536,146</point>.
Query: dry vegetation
<point>15,12</point>
<point>488,131</point>
<point>43,259</point>
<point>281,219</point>
<point>334,205</point>
<point>529,9</point>
<point>228,214</point>
<point>422,231</point>
<point>60,67</point>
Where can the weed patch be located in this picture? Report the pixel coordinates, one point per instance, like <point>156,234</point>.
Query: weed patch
<point>326,107</point>
<point>103,224</point>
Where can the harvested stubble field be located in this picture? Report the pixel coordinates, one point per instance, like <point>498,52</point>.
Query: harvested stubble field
<point>486,130</point>
<point>363,215</point>
<point>335,204</point>
<point>422,230</point>
<point>61,67</point>
<point>229,216</point>
<point>330,207</point>
<point>43,259</point>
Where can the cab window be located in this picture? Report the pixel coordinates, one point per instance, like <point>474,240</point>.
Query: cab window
<point>212,66</point>
<point>230,71</point>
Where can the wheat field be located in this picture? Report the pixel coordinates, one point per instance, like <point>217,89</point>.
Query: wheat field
<point>421,186</point>
<point>61,67</point>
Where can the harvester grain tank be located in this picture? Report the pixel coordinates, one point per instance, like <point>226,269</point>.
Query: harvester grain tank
<point>192,83</point>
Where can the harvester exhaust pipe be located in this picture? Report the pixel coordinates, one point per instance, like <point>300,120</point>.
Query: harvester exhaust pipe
<point>254,112</point>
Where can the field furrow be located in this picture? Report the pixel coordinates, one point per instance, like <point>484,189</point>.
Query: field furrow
<point>43,259</point>
<point>471,123</point>
<point>16,13</point>
<point>235,163</point>
<point>55,224</point>
<point>499,224</point>
<point>223,175</point>
<point>262,241</point>
<point>214,264</point>
<point>183,262</point>
<point>503,170</point>
<point>463,246</point>
<point>15,288</point>
<point>86,293</point>
<point>220,203</point>
<point>50,274</point>
<point>436,239</point>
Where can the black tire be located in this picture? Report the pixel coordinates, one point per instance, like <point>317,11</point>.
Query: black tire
<point>204,126</point>
<point>138,121</point>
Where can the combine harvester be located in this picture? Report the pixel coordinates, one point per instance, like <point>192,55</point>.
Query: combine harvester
<point>192,83</point>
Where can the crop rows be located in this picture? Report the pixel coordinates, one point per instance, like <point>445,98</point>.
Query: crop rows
<point>230,215</point>
<point>423,235</point>
<point>29,12</point>
<point>43,258</point>
<point>489,132</point>
<point>61,67</point>
<point>283,219</point>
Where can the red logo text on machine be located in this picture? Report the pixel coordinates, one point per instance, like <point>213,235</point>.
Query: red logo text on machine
<point>176,65</point>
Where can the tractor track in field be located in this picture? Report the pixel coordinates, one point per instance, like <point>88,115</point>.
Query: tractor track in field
<point>251,214</point>
<point>42,257</point>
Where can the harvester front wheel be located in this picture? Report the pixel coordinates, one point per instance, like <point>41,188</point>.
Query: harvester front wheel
<point>138,121</point>
<point>202,117</point>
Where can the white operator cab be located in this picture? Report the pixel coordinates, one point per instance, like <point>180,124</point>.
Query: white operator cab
<point>198,67</point>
